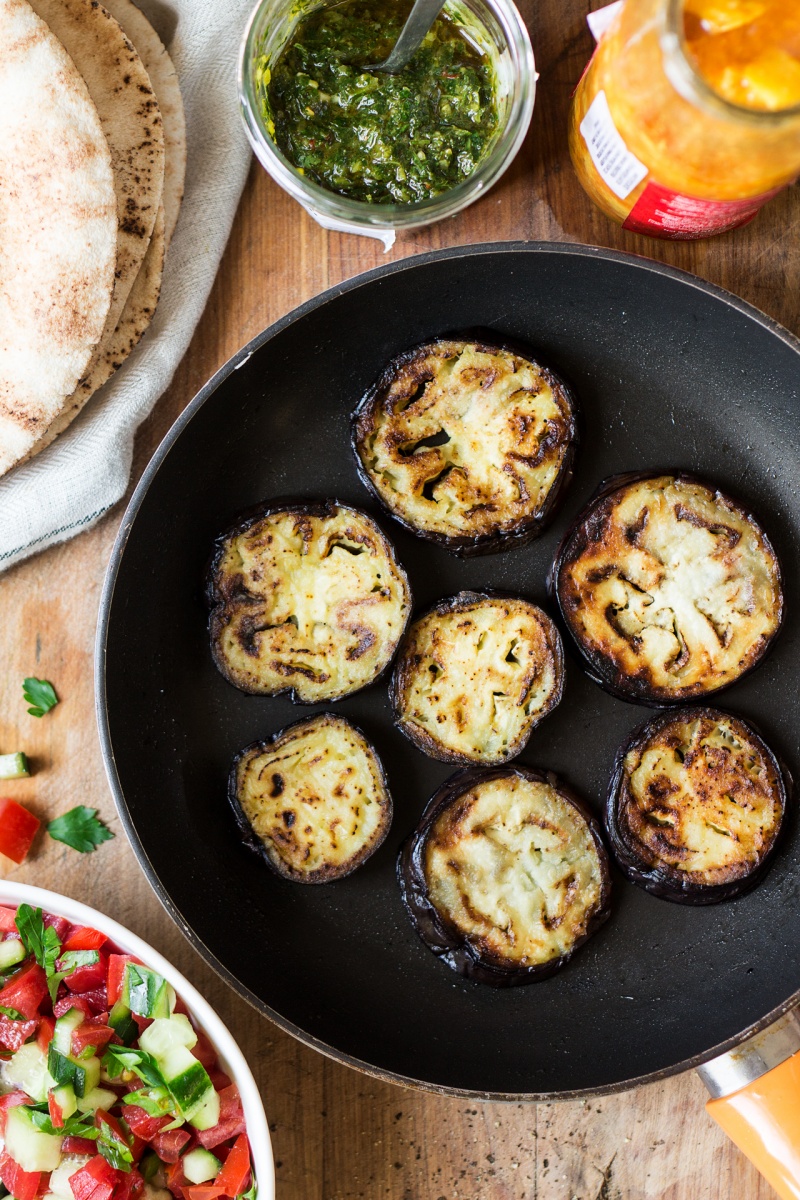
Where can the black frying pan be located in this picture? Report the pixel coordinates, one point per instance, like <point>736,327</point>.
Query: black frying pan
<point>669,371</point>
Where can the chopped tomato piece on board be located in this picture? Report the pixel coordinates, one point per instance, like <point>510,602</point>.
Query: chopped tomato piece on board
<point>18,828</point>
<point>25,991</point>
<point>23,1185</point>
<point>236,1169</point>
<point>84,938</point>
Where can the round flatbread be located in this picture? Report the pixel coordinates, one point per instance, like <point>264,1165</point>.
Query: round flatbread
<point>120,88</point>
<point>164,79</point>
<point>58,228</point>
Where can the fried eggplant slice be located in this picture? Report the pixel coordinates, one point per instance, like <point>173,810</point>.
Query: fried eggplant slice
<point>670,588</point>
<point>312,799</point>
<point>696,805</point>
<point>467,444</point>
<point>306,598</point>
<point>475,676</point>
<point>506,875</point>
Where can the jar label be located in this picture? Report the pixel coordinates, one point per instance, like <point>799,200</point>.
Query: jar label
<point>617,167</point>
<point>669,214</point>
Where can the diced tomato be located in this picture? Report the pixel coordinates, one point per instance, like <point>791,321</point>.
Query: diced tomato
<point>10,1100</point>
<point>168,1146</point>
<point>234,1173</point>
<point>25,991</point>
<point>202,1191</point>
<point>90,978</point>
<point>92,1003</point>
<point>176,1180</point>
<point>14,1033</point>
<point>101,1118</point>
<point>8,920</point>
<point>130,1186</point>
<point>231,1119</point>
<point>44,1034</point>
<point>90,1033</point>
<point>84,938</point>
<point>138,1147</point>
<point>24,1185</point>
<point>96,1180</point>
<point>116,975</point>
<point>68,1002</point>
<point>220,1080</point>
<point>60,924</point>
<point>18,828</point>
<point>78,1145</point>
<point>141,1123</point>
<point>56,1111</point>
<point>203,1050</point>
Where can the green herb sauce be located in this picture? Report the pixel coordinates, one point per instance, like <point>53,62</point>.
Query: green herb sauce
<point>384,139</point>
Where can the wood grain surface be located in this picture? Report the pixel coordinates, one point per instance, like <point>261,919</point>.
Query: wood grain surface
<point>339,1135</point>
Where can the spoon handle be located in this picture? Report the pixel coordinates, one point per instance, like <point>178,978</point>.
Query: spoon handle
<point>419,21</point>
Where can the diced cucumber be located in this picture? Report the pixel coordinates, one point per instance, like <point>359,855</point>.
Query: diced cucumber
<point>14,766</point>
<point>28,1146</point>
<point>11,953</point>
<point>123,1024</point>
<point>206,1116</point>
<point>27,1070</point>
<point>59,1180</point>
<point>200,1165</point>
<point>164,1035</point>
<point>66,1099</point>
<point>98,1097</point>
<point>65,1027</point>
<point>147,993</point>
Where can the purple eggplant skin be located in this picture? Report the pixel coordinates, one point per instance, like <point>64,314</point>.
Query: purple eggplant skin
<point>453,604</point>
<point>663,881</point>
<point>596,667</point>
<point>511,538</point>
<point>448,943</point>
<point>253,843</point>
<point>217,600</point>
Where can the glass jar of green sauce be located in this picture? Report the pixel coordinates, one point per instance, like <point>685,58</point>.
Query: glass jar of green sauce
<point>366,151</point>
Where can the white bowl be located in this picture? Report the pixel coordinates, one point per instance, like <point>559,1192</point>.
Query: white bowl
<point>230,1056</point>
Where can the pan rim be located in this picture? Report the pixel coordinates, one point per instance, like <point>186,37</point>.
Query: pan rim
<point>236,361</point>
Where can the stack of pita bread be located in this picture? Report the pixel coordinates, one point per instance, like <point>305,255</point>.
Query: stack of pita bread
<point>92,161</point>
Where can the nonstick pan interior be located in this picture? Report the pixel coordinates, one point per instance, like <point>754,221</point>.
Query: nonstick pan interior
<point>669,371</point>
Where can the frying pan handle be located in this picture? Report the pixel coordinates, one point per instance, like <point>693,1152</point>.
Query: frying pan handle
<point>763,1119</point>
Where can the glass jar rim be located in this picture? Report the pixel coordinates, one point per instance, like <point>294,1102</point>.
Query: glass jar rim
<point>331,206</point>
<point>687,80</point>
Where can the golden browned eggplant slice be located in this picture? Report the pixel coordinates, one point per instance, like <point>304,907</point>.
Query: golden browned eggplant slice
<point>467,444</point>
<point>306,598</point>
<point>312,799</point>
<point>506,875</point>
<point>696,805</point>
<point>475,675</point>
<point>670,588</point>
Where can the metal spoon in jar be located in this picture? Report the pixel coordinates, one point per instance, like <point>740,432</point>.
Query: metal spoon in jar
<point>418,22</point>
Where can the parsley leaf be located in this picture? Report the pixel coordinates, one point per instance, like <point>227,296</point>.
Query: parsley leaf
<point>39,939</point>
<point>77,1126</point>
<point>114,1149</point>
<point>127,1058</point>
<point>80,828</point>
<point>13,1014</point>
<point>69,962</point>
<point>251,1192</point>
<point>40,694</point>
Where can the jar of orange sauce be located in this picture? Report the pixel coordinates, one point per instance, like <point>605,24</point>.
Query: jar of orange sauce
<point>687,118</point>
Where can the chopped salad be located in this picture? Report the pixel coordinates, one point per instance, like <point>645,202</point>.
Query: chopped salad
<point>107,1090</point>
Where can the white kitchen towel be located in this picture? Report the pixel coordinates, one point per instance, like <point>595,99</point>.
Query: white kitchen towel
<point>85,471</point>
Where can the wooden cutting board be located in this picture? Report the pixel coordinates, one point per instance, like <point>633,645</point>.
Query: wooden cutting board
<point>339,1135</point>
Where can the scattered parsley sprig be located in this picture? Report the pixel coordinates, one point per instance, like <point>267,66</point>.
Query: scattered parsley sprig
<point>40,694</point>
<point>80,828</point>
